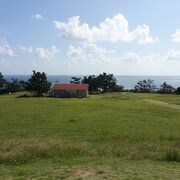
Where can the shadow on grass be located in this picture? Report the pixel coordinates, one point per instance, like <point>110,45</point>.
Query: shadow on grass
<point>23,96</point>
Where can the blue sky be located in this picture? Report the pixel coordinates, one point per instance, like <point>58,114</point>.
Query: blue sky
<point>123,37</point>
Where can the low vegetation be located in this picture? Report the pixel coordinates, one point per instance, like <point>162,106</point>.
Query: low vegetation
<point>110,136</point>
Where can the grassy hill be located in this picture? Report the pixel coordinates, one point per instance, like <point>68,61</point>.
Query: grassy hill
<point>111,136</point>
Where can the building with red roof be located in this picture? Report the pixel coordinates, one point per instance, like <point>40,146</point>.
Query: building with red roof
<point>70,90</point>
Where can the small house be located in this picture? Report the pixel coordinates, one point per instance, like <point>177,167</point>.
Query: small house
<point>70,90</point>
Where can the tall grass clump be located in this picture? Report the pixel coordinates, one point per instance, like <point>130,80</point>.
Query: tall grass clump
<point>23,151</point>
<point>171,154</point>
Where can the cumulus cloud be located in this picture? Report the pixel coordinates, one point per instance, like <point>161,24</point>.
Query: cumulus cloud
<point>50,53</point>
<point>5,49</point>
<point>172,56</point>
<point>115,29</point>
<point>37,17</point>
<point>26,49</point>
<point>89,53</point>
<point>142,35</point>
<point>176,36</point>
<point>130,57</point>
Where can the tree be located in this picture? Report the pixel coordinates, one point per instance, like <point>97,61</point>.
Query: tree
<point>106,81</point>
<point>166,89</point>
<point>145,86</point>
<point>2,84</point>
<point>178,90</point>
<point>92,81</point>
<point>118,88</point>
<point>38,83</point>
<point>13,86</point>
<point>2,81</point>
<point>103,82</point>
<point>75,80</point>
<point>24,85</point>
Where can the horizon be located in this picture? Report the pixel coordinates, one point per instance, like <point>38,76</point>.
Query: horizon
<point>122,38</point>
<point>93,74</point>
<point>127,81</point>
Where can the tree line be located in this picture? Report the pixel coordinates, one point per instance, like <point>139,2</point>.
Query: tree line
<point>102,83</point>
<point>107,83</point>
<point>37,84</point>
<point>147,86</point>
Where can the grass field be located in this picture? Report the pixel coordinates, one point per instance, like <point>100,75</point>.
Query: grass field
<point>107,136</point>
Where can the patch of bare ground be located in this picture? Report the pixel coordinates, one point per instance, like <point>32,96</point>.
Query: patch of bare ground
<point>90,172</point>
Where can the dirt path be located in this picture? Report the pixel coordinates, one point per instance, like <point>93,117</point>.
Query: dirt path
<point>162,103</point>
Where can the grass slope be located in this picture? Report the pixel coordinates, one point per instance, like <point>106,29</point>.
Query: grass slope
<point>112,136</point>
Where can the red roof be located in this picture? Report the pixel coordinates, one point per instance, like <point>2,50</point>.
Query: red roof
<point>57,87</point>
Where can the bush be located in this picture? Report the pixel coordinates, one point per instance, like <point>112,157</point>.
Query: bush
<point>4,91</point>
<point>118,88</point>
<point>166,89</point>
<point>178,90</point>
<point>172,154</point>
<point>145,86</point>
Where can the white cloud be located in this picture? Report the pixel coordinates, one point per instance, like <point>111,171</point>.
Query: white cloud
<point>75,53</point>
<point>130,57</point>
<point>172,56</point>
<point>38,17</point>
<point>89,53</point>
<point>115,29</point>
<point>47,53</point>
<point>142,35</point>
<point>176,36</point>
<point>5,49</point>
<point>26,49</point>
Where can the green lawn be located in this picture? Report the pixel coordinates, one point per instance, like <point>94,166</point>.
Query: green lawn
<point>110,136</point>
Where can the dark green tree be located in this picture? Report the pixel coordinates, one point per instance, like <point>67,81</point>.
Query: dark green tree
<point>2,81</point>
<point>103,82</point>
<point>75,80</point>
<point>145,86</point>
<point>92,81</point>
<point>2,84</point>
<point>106,81</point>
<point>38,84</point>
<point>178,90</point>
<point>166,89</point>
<point>24,85</point>
<point>13,86</point>
<point>118,88</point>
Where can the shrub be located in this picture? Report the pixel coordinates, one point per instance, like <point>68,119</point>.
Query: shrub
<point>172,154</point>
<point>118,88</point>
<point>178,90</point>
<point>145,86</point>
<point>166,89</point>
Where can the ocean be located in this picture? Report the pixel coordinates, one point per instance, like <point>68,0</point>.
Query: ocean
<point>127,81</point>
